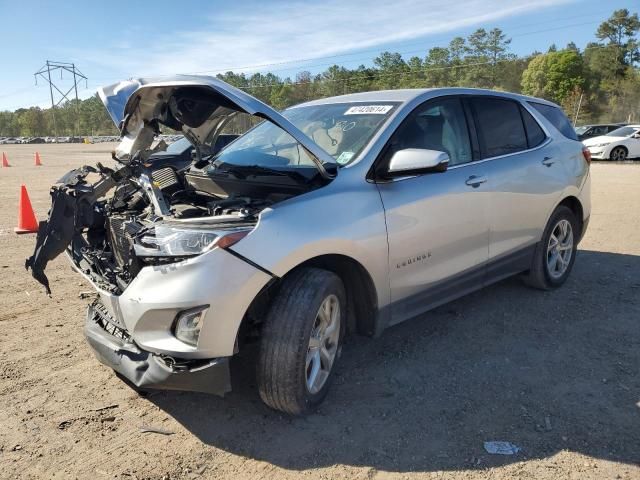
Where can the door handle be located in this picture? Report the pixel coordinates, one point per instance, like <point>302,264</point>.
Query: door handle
<point>548,161</point>
<point>475,180</point>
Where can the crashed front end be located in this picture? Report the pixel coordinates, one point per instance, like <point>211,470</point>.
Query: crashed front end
<point>155,241</point>
<point>158,277</point>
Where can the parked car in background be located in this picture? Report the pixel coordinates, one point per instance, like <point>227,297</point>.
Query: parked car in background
<point>617,145</point>
<point>589,131</point>
<point>345,214</point>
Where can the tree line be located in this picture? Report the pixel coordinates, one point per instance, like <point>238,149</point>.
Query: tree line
<point>598,84</point>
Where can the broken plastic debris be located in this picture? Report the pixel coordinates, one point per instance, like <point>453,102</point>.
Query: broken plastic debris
<point>501,448</point>
<point>161,431</point>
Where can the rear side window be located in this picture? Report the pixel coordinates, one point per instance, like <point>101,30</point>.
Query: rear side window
<point>500,127</point>
<point>557,118</point>
<point>535,135</point>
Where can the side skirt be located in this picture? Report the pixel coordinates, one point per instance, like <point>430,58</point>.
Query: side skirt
<point>457,286</point>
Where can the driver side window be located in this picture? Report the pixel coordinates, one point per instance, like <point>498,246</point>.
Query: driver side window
<point>439,124</point>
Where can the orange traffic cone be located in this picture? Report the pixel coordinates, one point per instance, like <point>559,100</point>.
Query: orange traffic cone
<point>5,160</point>
<point>27,222</point>
<point>38,162</point>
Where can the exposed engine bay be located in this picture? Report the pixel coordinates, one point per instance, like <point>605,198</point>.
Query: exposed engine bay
<point>112,227</point>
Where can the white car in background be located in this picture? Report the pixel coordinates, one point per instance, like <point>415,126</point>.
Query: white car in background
<point>617,145</point>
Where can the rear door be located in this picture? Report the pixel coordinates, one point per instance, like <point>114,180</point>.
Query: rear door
<point>437,222</point>
<point>525,179</point>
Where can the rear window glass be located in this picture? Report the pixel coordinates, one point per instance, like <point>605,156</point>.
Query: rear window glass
<point>557,118</point>
<point>535,135</point>
<point>500,126</point>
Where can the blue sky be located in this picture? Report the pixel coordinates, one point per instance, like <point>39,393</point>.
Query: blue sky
<point>110,41</point>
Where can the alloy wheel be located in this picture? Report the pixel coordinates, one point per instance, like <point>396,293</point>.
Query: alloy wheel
<point>618,154</point>
<point>560,249</point>
<point>323,344</point>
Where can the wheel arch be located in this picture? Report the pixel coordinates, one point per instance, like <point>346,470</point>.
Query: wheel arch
<point>362,297</point>
<point>620,145</point>
<point>574,204</point>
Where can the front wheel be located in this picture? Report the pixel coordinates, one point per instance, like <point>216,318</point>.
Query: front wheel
<point>301,341</point>
<point>556,252</point>
<point>618,154</point>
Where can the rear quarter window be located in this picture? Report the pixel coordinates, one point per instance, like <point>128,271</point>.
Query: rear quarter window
<point>535,134</point>
<point>557,118</point>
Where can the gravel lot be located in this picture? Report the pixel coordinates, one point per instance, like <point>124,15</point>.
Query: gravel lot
<point>556,373</point>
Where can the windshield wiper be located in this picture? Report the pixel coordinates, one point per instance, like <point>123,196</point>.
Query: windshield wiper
<point>243,171</point>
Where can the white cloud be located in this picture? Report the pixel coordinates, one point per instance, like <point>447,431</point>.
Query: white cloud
<point>271,33</point>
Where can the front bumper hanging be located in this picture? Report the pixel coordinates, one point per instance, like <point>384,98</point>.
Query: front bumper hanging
<point>114,348</point>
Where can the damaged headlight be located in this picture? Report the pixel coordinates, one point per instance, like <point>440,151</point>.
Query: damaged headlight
<point>187,241</point>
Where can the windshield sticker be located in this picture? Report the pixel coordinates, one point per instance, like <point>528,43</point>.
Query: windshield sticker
<point>344,157</point>
<point>368,109</point>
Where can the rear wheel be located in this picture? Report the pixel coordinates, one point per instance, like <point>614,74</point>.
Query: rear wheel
<point>618,154</point>
<point>556,252</point>
<point>301,341</point>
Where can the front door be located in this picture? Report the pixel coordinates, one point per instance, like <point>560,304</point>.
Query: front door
<point>437,222</point>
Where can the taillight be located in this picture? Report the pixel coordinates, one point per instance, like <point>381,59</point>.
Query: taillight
<point>587,155</point>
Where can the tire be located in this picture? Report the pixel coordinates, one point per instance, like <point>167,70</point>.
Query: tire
<point>545,274</point>
<point>288,355</point>
<point>618,154</point>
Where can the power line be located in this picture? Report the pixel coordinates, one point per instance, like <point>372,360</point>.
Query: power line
<point>376,50</point>
<point>400,74</point>
<point>377,75</point>
<point>360,57</point>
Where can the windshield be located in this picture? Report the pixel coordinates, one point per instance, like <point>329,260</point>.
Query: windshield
<point>581,130</point>
<point>623,132</point>
<point>178,146</point>
<point>341,129</point>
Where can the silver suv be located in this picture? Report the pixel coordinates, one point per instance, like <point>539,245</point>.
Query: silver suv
<point>346,214</point>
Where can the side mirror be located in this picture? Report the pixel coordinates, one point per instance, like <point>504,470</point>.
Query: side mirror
<point>635,135</point>
<point>412,161</point>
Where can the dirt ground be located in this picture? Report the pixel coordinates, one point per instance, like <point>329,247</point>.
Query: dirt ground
<point>557,373</point>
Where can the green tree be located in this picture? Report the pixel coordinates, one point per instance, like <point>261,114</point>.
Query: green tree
<point>32,122</point>
<point>554,75</point>
<point>437,65</point>
<point>621,30</point>
<point>457,49</point>
<point>392,68</point>
<point>9,126</point>
<point>485,53</point>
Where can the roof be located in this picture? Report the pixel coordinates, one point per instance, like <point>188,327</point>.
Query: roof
<point>604,124</point>
<point>400,95</point>
<point>408,94</point>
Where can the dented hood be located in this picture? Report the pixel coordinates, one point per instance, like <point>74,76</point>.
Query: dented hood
<point>199,106</point>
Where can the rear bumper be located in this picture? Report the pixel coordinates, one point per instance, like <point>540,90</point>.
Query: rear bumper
<point>148,370</point>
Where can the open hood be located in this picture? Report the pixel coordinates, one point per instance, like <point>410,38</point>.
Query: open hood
<point>199,106</point>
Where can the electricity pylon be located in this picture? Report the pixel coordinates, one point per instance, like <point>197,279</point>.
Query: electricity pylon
<point>77,76</point>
